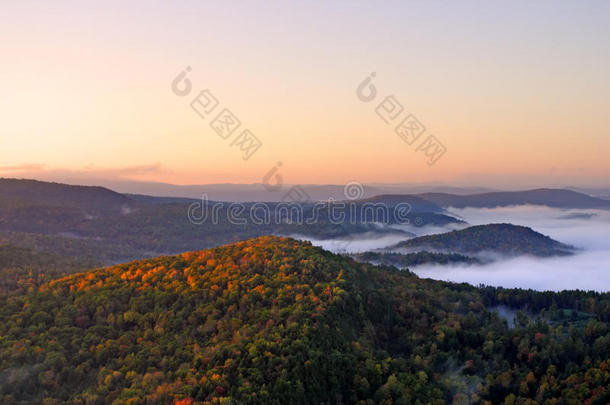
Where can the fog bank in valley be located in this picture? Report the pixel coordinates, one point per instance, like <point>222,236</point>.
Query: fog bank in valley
<point>356,243</point>
<point>588,269</point>
<point>587,230</point>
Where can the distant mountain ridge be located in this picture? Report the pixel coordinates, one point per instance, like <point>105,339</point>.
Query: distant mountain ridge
<point>458,197</point>
<point>557,198</point>
<point>505,239</point>
<point>97,224</point>
<point>416,203</point>
<point>248,192</point>
<point>63,195</point>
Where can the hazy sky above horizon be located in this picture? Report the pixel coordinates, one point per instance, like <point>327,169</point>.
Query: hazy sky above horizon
<point>516,91</point>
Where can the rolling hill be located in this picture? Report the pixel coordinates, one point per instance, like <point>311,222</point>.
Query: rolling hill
<point>506,239</point>
<point>276,321</point>
<point>40,193</point>
<point>94,223</point>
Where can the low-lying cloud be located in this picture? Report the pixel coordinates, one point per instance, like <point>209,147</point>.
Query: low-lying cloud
<point>588,230</point>
<point>588,269</point>
<point>356,243</point>
<point>584,271</point>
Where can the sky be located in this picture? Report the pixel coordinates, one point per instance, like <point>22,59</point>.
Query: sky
<point>515,92</point>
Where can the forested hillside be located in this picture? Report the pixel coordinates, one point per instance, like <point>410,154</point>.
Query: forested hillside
<point>276,321</point>
<point>402,260</point>
<point>506,239</point>
<point>24,269</point>
<point>98,225</point>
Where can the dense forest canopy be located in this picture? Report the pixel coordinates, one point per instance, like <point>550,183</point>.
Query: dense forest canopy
<point>273,320</point>
<point>402,260</point>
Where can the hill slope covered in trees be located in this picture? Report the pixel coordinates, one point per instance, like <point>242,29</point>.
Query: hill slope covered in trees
<point>402,260</point>
<point>24,269</point>
<point>98,225</point>
<point>276,321</point>
<point>505,239</point>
